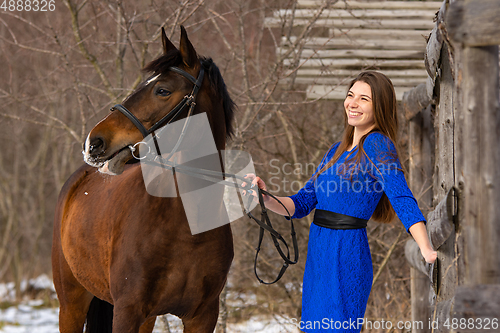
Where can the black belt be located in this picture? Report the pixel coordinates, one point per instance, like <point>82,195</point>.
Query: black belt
<point>327,219</point>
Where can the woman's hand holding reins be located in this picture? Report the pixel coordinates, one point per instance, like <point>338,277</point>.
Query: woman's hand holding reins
<point>275,206</point>
<point>255,181</point>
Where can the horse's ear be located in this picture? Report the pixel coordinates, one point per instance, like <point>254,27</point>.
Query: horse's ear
<point>188,52</point>
<point>167,44</point>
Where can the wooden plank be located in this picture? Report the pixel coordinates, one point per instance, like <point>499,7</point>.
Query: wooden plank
<point>349,43</point>
<point>432,5</point>
<point>474,23</point>
<point>478,156</point>
<point>479,306</point>
<point>348,23</point>
<point>444,178</point>
<point>421,147</point>
<point>359,53</point>
<point>326,92</point>
<point>440,221</point>
<point>378,33</point>
<point>343,73</point>
<point>358,63</point>
<point>328,80</point>
<point>444,124</point>
<point>420,311</point>
<point>356,13</point>
<point>339,92</point>
<point>420,171</point>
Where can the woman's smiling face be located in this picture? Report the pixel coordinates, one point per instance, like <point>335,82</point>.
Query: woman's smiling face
<point>359,107</point>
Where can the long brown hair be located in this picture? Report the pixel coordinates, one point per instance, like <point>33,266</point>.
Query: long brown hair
<point>386,122</point>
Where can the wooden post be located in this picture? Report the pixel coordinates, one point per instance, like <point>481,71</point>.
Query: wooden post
<point>444,181</point>
<point>474,23</point>
<point>477,166</point>
<point>421,144</point>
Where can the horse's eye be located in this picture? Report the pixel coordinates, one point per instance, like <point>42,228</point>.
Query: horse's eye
<point>162,92</point>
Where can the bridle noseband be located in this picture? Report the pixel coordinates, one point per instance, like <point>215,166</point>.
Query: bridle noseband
<point>213,176</point>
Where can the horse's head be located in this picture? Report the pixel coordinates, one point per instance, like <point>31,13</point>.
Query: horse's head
<point>107,145</point>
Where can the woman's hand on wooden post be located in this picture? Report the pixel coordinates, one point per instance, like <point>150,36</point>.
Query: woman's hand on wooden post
<point>429,255</point>
<point>419,233</point>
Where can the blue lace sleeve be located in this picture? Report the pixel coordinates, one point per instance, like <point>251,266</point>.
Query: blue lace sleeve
<point>305,200</point>
<point>387,171</point>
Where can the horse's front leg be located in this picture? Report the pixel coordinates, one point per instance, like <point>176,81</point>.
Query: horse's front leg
<point>74,299</point>
<point>204,320</point>
<point>73,310</point>
<point>129,319</point>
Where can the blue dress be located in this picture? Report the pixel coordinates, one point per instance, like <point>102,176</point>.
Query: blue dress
<point>338,273</point>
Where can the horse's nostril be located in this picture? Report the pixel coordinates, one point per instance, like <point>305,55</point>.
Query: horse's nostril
<point>96,146</point>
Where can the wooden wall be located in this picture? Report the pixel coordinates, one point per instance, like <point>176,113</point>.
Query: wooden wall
<point>464,226</point>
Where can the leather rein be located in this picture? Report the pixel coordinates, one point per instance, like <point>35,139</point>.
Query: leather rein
<point>213,176</point>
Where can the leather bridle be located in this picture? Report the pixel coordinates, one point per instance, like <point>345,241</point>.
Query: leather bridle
<point>210,175</point>
<point>188,100</point>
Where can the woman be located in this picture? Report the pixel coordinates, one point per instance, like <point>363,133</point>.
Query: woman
<point>359,178</point>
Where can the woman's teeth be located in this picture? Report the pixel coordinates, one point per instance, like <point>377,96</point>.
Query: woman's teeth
<point>354,114</point>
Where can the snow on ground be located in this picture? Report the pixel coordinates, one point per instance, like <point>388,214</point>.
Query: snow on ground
<point>26,318</point>
<point>30,317</point>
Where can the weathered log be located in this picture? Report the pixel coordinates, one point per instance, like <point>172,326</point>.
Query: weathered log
<point>416,99</point>
<point>441,314</point>
<point>361,13</point>
<point>479,307</point>
<point>474,23</point>
<point>419,97</point>
<point>350,4</point>
<point>440,221</point>
<point>345,41</point>
<point>346,23</point>
<point>302,78</point>
<point>343,63</point>
<point>310,52</point>
<point>351,73</point>
<point>364,33</point>
<point>434,44</point>
<point>414,257</point>
<point>338,92</point>
<point>433,52</point>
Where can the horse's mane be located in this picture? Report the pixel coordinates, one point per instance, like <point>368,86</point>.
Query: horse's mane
<point>173,58</point>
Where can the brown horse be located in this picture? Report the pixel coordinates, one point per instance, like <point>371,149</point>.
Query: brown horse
<point>120,256</point>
